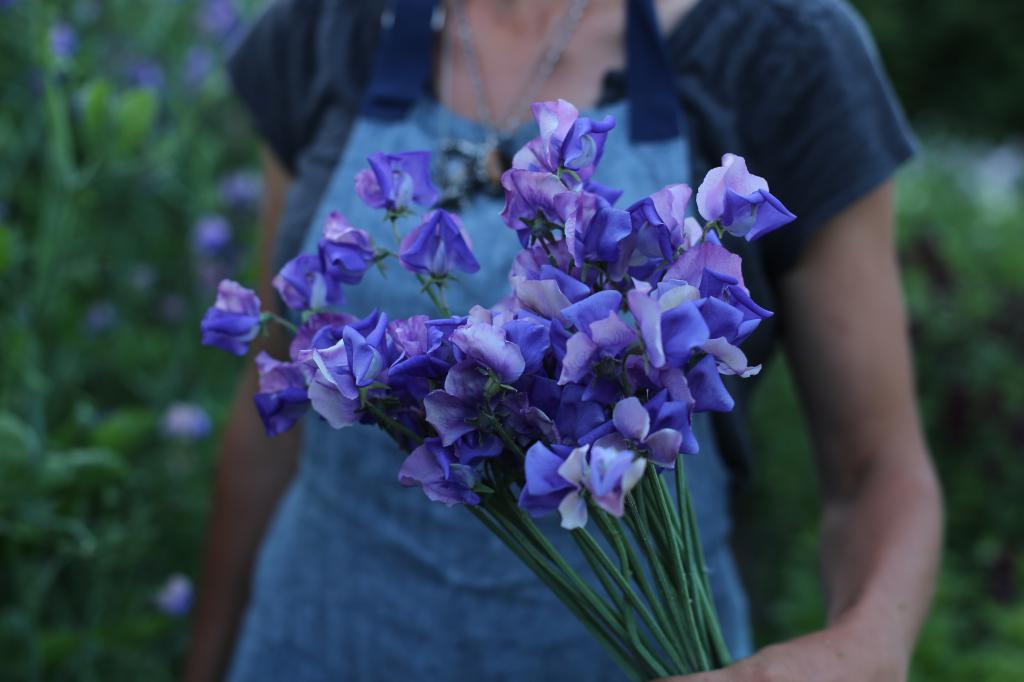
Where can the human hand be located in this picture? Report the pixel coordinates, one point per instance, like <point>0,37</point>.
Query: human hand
<point>839,653</point>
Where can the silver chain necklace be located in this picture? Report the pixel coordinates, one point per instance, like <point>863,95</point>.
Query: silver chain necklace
<point>543,67</point>
<point>468,166</point>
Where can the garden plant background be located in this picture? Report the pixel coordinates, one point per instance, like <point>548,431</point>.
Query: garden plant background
<point>129,187</point>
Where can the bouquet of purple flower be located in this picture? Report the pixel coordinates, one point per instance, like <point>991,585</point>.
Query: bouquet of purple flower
<point>575,394</point>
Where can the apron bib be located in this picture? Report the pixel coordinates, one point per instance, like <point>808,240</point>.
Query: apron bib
<point>359,578</point>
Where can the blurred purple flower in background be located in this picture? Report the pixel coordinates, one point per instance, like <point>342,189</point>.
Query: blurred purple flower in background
<point>173,308</point>
<point>240,189</point>
<point>211,235</point>
<point>175,596</point>
<point>142,277</point>
<point>218,18</point>
<point>199,62</point>
<point>63,40</point>
<point>145,73</point>
<point>186,421</point>
<point>100,316</point>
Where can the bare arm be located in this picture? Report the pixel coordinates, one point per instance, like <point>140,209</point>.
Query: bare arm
<point>252,472</point>
<point>846,339</point>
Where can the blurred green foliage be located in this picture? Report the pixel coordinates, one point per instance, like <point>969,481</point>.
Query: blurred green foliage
<point>114,151</point>
<point>954,64</point>
<point>115,139</point>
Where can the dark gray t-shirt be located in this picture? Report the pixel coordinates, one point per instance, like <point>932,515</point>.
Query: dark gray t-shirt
<point>794,86</point>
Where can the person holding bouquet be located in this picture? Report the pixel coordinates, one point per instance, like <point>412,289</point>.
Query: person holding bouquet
<point>319,567</point>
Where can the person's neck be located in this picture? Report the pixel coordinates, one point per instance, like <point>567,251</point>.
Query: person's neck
<point>527,16</point>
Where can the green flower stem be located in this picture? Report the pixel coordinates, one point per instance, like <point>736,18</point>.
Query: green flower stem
<point>267,316</point>
<point>428,287</point>
<point>669,596</point>
<point>613,531</point>
<point>655,487</point>
<point>561,590</point>
<point>523,524</point>
<point>703,587</point>
<point>506,438</point>
<point>656,629</point>
<point>387,422</point>
<point>602,568</point>
<point>614,534</point>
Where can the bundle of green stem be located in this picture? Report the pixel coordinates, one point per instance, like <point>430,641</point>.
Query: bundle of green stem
<point>653,612</point>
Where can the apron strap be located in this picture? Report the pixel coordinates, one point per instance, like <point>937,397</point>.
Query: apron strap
<point>401,67</point>
<point>654,109</point>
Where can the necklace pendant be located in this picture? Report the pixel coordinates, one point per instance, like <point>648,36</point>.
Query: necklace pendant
<point>494,164</point>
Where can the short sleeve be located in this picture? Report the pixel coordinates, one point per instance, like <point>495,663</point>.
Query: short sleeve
<point>828,128</point>
<point>274,71</point>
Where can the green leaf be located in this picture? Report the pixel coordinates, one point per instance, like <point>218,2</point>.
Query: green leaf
<point>136,111</point>
<point>83,468</point>
<point>95,97</point>
<point>124,430</point>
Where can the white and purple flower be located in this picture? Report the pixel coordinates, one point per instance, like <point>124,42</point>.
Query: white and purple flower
<point>234,320</point>
<point>740,200</point>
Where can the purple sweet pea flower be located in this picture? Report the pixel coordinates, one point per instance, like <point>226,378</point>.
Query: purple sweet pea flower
<point>548,291</point>
<point>731,360</point>
<point>544,488</point>
<point>333,393</point>
<point>421,355</point>
<point>303,284</point>
<point>530,195</point>
<point>283,398</point>
<point>450,410</point>
<point>211,236</point>
<point>692,266</point>
<point>566,140</point>
<point>600,333</point>
<point>174,597</point>
<point>705,384</point>
<point>670,331</point>
<point>608,238</point>
<point>186,421</point>
<point>395,181</point>
<point>437,244</point>
<point>661,428</point>
<point>660,221</point>
<point>367,350</point>
<point>532,335</point>
<point>302,343</point>
<point>613,470</point>
<point>346,251</point>
<point>434,468</point>
<point>608,470</point>
<point>488,345</point>
<point>63,41</point>
<point>234,320</point>
<point>740,201</point>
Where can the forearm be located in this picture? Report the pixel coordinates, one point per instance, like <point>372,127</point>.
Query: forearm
<point>880,546</point>
<point>252,473</point>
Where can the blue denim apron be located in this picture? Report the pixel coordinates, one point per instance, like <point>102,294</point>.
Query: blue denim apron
<point>360,579</point>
